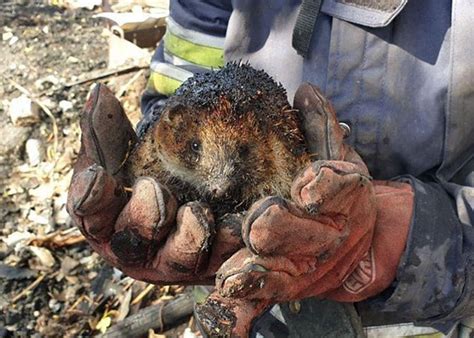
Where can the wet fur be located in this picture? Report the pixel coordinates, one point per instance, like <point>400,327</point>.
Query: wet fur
<point>250,144</point>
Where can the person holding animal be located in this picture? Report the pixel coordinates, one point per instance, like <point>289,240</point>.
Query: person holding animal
<point>399,240</point>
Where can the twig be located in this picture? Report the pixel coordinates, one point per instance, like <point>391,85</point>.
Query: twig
<point>76,303</point>
<point>191,322</point>
<point>44,108</point>
<point>59,238</point>
<point>125,288</point>
<point>107,73</point>
<point>159,317</point>
<point>122,90</point>
<point>28,289</point>
<point>143,294</point>
<point>129,284</point>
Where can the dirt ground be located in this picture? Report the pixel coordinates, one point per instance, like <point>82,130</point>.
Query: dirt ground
<point>51,283</point>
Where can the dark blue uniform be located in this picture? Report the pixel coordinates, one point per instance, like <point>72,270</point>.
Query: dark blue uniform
<point>401,74</point>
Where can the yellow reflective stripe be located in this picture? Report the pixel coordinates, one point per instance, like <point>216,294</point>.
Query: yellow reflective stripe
<point>192,52</point>
<point>428,335</point>
<point>176,61</point>
<point>163,84</point>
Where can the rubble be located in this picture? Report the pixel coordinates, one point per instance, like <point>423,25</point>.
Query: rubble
<point>13,273</point>
<point>34,151</point>
<point>23,111</point>
<point>13,40</point>
<point>44,256</point>
<point>65,105</point>
<point>7,36</point>
<point>47,82</point>
<point>13,139</point>
<point>87,4</point>
<point>51,282</point>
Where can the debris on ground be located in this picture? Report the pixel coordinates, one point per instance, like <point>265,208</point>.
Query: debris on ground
<point>51,283</point>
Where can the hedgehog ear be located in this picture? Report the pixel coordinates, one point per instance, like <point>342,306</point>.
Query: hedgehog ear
<point>174,114</point>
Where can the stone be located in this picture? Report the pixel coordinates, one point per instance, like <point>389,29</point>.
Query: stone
<point>34,151</point>
<point>7,36</point>
<point>13,139</point>
<point>65,105</point>
<point>23,111</point>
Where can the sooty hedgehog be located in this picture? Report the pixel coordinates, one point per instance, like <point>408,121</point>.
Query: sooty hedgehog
<point>226,137</point>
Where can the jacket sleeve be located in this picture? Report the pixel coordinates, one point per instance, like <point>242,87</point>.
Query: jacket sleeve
<point>193,43</point>
<point>435,278</point>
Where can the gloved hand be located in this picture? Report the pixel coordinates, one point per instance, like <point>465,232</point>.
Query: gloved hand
<point>340,237</point>
<point>143,233</point>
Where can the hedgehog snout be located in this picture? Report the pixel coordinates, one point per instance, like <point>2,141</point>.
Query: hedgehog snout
<point>221,180</point>
<point>218,191</point>
<point>219,186</point>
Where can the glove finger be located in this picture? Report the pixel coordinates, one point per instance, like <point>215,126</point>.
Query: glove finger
<point>280,278</point>
<point>186,251</point>
<point>144,222</point>
<point>227,317</point>
<point>328,187</point>
<point>275,278</point>
<point>228,240</point>
<point>275,226</point>
<point>322,131</point>
<point>107,135</point>
<point>94,202</point>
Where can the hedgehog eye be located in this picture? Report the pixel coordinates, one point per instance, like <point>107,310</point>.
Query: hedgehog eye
<point>196,146</point>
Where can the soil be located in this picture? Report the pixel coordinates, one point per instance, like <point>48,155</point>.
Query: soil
<point>51,283</point>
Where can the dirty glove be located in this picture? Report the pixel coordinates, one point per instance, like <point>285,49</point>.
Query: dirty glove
<point>340,237</point>
<point>142,232</point>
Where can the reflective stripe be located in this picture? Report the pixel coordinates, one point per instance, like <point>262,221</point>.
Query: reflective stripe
<point>162,84</point>
<point>196,53</point>
<point>193,36</point>
<point>401,330</point>
<point>166,78</point>
<point>173,59</point>
<point>170,71</point>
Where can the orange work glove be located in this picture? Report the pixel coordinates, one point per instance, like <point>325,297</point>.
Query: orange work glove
<point>340,237</point>
<point>143,233</point>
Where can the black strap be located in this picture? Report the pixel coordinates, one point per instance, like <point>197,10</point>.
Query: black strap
<point>304,26</point>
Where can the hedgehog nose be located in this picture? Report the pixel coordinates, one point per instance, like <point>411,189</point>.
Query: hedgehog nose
<point>218,191</point>
<point>219,188</point>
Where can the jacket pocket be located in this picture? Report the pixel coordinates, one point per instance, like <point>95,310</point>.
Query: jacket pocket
<point>370,13</point>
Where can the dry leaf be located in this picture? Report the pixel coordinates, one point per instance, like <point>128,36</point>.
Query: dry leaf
<point>44,255</point>
<point>18,238</point>
<point>124,305</point>
<point>152,334</point>
<point>103,324</point>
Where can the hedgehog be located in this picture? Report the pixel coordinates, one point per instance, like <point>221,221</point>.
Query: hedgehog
<point>226,137</point>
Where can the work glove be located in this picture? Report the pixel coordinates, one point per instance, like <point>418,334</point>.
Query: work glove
<point>136,225</point>
<point>340,237</point>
